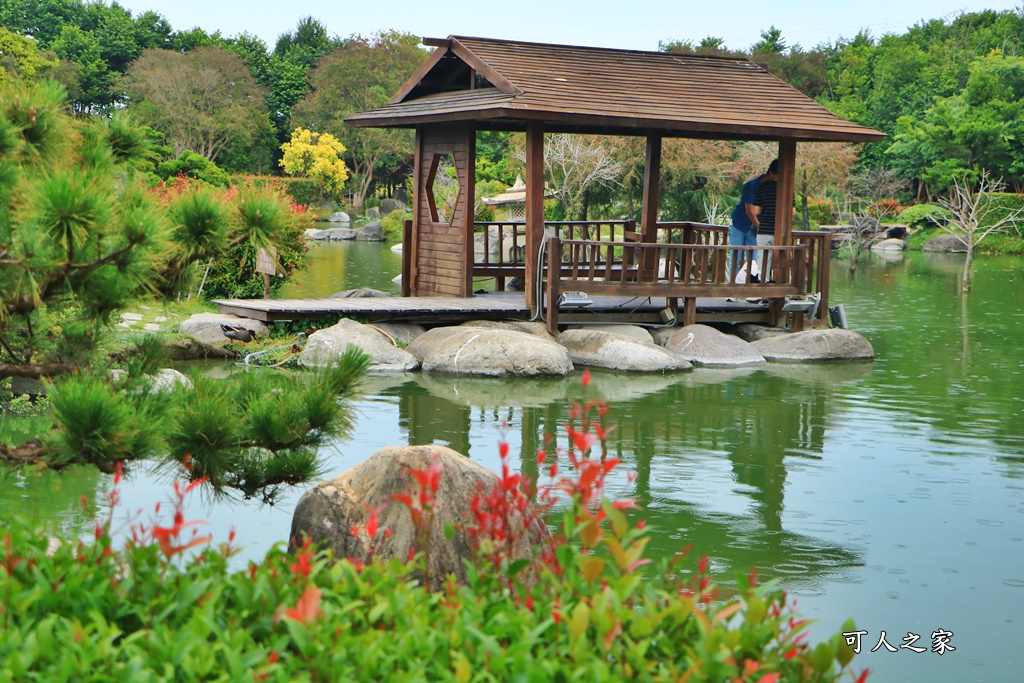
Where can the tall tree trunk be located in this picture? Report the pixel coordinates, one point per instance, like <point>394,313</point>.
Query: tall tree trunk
<point>966,280</point>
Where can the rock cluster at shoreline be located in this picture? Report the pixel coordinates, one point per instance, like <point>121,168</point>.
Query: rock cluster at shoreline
<point>523,349</point>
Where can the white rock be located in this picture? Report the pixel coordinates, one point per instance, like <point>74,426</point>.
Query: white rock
<point>206,326</point>
<point>705,346</point>
<point>326,346</point>
<point>489,352</point>
<point>618,352</point>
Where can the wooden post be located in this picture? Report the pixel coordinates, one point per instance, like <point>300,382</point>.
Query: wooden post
<point>534,210</point>
<point>784,193</point>
<point>407,258</point>
<point>410,277</point>
<point>553,289</point>
<point>649,211</point>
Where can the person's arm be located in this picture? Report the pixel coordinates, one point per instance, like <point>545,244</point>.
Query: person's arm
<point>753,210</point>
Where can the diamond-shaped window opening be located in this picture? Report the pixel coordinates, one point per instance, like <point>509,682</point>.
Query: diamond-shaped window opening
<point>442,188</point>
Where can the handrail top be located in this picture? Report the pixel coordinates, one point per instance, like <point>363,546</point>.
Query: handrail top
<point>677,245</point>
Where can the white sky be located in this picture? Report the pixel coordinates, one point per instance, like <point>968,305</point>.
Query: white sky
<point>635,24</point>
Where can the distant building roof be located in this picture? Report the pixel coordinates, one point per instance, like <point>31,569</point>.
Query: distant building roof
<point>504,85</point>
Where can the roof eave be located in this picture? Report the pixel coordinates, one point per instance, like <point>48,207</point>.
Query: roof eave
<point>565,122</point>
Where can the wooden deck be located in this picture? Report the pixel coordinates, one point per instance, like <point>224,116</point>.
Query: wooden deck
<point>490,306</point>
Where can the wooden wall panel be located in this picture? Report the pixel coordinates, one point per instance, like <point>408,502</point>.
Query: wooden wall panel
<point>444,251</point>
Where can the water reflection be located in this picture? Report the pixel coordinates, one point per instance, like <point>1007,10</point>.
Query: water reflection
<point>694,442</point>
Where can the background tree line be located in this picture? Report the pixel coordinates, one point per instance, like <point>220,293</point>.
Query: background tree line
<point>947,93</point>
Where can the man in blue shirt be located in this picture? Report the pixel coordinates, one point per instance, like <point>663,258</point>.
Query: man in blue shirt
<point>743,231</point>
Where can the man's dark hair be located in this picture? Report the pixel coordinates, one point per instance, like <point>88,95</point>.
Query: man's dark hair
<point>772,167</point>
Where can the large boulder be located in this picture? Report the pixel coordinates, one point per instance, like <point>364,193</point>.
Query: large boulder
<point>402,333</point>
<point>360,293</point>
<point>389,205</point>
<point>326,346</point>
<point>331,234</point>
<point>490,353</point>
<point>612,351</point>
<point>189,348</point>
<point>816,345</point>
<point>891,244</point>
<point>339,217</point>
<point>634,332</point>
<point>328,513</point>
<point>750,332</point>
<point>206,327</point>
<point>945,243</point>
<point>537,329</point>
<point>706,346</point>
<point>371,232</point>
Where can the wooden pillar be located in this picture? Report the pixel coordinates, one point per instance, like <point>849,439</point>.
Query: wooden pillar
<point>534,209</point>
<point>649,210</point>
<point>412,245</point>
<point>785,190</point>
<point>652,178</point>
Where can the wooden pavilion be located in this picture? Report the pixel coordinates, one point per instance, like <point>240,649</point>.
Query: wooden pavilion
<point>470,84</point>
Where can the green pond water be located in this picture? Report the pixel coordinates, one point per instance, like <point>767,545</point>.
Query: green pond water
<point>892,492</point>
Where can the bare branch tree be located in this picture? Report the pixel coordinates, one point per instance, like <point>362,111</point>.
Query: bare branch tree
<point>573,164</point>
<point>972,216</point>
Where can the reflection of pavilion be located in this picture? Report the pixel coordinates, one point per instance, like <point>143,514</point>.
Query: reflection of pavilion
<point>757,423</point>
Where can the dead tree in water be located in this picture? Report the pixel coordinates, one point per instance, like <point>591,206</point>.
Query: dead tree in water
<point>973,217</point>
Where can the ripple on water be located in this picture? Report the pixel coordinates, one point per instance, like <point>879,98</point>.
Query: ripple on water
<point>1014,583</point>
<point>989,522</point>
<point>791,568</point>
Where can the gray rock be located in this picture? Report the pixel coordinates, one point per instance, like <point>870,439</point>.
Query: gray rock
<point>206,326</point>
<point>490,353</point>
<point>371,232</point>
<point>328,512</point>
<point>373,213</point>
<point>634,332</point>
<point>706,346</point>
<point>324,347</point>
<point>536,329</point>
<point>945,243</point>
<point>891,244</point>
<point>339,217</point>
<point>188,348</point>
<point>750,332</point>
<point>389,205</point>
<point>361,293</point>
<point>816,345</point>
<point>168,380</point>
<point>335,234</point>
<point>613,351</point>
<point>403,333</point>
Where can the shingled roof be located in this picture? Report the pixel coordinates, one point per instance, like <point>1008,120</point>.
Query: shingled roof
<point>504,85</point>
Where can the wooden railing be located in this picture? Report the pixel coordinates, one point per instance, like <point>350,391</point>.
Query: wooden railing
<point>672,271</point>
<point>682,261</point>
<point>500,249</point>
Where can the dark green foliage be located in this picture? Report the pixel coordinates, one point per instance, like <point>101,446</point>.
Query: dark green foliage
<point>1003,204</point>
<point>393,225</point>
<point>820,212</point>
<point>201,225</point>
<point>922,216</point>
<point>192,165</point>
<point>258,431</point>
<point>98,425</point>
<point>302,190</point>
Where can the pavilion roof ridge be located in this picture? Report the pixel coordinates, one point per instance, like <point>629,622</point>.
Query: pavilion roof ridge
<point>573,88</point>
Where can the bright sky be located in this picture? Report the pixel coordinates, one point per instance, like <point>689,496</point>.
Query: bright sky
<point>627,24</point>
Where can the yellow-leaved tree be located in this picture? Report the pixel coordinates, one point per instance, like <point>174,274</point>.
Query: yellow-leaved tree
<point>316,156</point>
